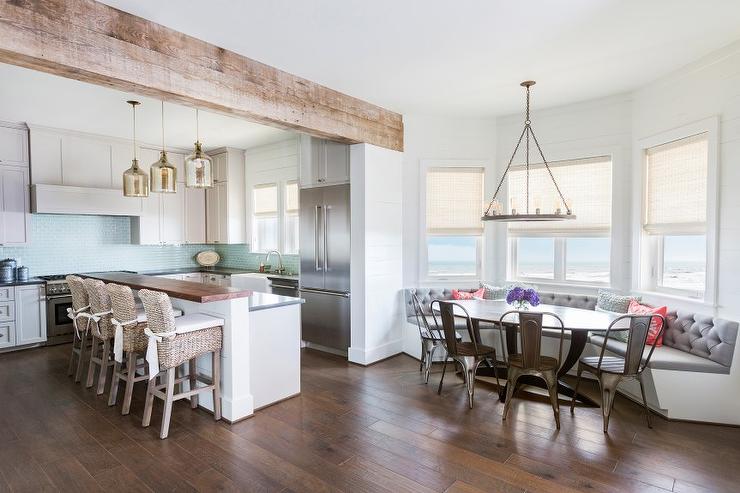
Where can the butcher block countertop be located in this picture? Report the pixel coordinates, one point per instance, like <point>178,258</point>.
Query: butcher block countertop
<point>184,290</point>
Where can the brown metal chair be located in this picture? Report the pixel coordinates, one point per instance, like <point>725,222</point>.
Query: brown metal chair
<point>431,337</point>
<point>530,361</point>
<point>469,354</point>
<point>610,370</point>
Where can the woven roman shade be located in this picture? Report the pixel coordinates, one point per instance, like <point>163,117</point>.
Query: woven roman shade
<point>676,186</point>
<point>291,197</point>
<point>454,201</point>
<point>585,183</point>
<point>265,200</point>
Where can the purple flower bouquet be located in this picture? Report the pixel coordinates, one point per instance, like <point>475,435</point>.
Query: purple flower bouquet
<point>522,298</point>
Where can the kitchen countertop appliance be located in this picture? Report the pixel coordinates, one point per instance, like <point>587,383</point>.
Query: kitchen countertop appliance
<point>59,328</point>
<point>325,256</point>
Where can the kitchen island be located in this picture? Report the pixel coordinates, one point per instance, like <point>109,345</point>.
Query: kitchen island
<point>260,359</point>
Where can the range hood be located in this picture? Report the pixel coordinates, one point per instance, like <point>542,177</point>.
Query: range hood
<point>64,199</point>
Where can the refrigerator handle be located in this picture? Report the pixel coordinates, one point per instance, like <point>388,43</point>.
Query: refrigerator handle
<point>326,236</point>
<point>316,237</point>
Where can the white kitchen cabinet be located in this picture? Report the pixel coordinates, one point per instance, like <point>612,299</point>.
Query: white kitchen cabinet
<point>172,218</point>
<point>15,201</point>
<point>217,279</point>
<point>30,314</point>
<point>13,144</point>
<point>7,334</point>
<point>195,215</point>
<point>226,201</point>
<point>323,162</point>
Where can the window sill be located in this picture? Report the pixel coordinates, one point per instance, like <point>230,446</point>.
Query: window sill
<point>681,300</point>
<point>561,286</point>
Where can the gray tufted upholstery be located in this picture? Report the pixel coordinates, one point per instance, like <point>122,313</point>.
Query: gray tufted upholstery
<point>571,300</point>
<point>702,335</point>
<point>426,295</point>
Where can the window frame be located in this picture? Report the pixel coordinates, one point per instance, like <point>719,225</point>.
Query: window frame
<point>282,213</point>
<point>425,166</point>
<point>648,269</point>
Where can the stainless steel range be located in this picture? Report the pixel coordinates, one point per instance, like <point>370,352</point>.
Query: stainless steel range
<point>59,328</point>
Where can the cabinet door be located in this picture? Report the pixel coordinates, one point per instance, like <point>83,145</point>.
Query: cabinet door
<point>336,163</point>
<point>30,314</point>
<point>212,215</point>
<point>195,215</point>
<point>178,161</point>
<point>16,206</point>
<point>7,334</point>
<point>172,218</point>
<point>220,167</point>
<point>222,193</point>
<point>13,146</point>
<point>149,221</point>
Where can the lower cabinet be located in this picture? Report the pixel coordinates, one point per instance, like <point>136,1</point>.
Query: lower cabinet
<point>23,316</point>
<point>30,314</point>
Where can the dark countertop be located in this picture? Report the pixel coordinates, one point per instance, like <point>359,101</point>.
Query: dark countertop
<point>31,280</point>
<point>185,290</point>
<point>264,301</point>
<point>214,270</point>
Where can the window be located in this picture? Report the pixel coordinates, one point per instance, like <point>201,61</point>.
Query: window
<point>675,215</point>
<point>454,205</point>
<point>571,251</point>
<point>265,231</point>
<point>275,224</point>
<point>291,218</point>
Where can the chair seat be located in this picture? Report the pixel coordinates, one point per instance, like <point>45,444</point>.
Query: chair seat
<point>546,362</point>
<point>609,364</point>
<point>196,321</point>
<point>438,335</point>
<point>468,349</point>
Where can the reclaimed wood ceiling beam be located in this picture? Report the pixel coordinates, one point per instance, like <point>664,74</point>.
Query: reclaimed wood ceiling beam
<point>92,42</point>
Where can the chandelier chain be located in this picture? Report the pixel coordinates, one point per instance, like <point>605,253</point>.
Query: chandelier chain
<point>503,177</point>
<point>549,171</point>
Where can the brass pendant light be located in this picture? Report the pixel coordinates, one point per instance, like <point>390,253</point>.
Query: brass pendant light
<point>495,212</point>
<point>198,165</point>
<point>135,181</point>
<point>163,174</point>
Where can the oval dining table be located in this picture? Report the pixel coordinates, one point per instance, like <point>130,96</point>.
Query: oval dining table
<point>577,321</point>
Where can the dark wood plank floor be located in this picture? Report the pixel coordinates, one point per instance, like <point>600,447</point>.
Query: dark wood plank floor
<point>352,429</point>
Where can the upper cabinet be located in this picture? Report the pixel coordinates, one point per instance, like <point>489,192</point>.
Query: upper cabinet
<point>15,195</point>
<point>225,201</point>
<point>323,162</point>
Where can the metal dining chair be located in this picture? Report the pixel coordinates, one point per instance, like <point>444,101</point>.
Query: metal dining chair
<point>431,337</point>
<point>468,354</point>
<point>610,370</point>
<point>530,360</point>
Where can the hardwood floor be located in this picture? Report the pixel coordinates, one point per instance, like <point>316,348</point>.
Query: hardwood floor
<point>352,429</point>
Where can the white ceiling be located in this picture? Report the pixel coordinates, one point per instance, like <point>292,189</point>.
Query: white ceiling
<point>42,99</point>
<point>462,57</point>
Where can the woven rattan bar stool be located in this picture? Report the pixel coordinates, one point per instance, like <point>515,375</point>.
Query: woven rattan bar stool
<point>173,342</point>
<point>130,341</point>
<point>101,330</point>
<point>80,306</point>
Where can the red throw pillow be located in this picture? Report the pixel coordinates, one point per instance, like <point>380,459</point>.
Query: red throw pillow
<point>638,309</point>
<point>468,295</point>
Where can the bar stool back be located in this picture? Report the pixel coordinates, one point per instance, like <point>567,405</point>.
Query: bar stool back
<point>101,330</point>
<point>80,306</point>
<point>129,323</point>
<point>173,342</point>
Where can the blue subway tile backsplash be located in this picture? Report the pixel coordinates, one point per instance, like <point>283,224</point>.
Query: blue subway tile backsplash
<point>63,244</point>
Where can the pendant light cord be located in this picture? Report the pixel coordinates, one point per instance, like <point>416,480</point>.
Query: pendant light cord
<point>197,126</point>
<point>133,107</point>
<point>162,125</point>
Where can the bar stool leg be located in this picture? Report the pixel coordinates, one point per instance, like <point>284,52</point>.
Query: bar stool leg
<point>217,385</point>
<point>81,359</point>
<point>167,414</point>
<point>193,383</point>
<point>113,396</point>
<point>104,364</point>
<point>130,375</point>
<point>71,368</point>
<point>91,366</point>
<point>149,401</point>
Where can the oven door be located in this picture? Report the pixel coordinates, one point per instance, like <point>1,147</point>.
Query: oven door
<point>59,327</point>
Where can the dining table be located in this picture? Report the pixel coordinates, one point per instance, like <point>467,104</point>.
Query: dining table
<point>577,323</point>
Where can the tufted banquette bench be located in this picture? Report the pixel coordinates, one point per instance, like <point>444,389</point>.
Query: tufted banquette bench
<point>692,341</point>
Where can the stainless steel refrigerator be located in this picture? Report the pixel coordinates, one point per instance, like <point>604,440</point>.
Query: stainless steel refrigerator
<point>325,255</point>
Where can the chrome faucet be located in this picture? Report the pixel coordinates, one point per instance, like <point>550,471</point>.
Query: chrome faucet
<point>280,269</point>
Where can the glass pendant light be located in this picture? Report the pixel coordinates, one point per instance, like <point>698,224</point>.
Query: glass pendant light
<point>135,181</point>
<point>164,175</point>
<point>198,165</point>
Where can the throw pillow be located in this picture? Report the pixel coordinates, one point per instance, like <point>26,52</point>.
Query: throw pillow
<point>467,295</point>
<point>618,335</point>
<point>493,292</point>
<point>655,326</point>
<point>613,302</point>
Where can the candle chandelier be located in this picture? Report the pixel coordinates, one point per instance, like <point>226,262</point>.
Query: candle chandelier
<point>495,212</point>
